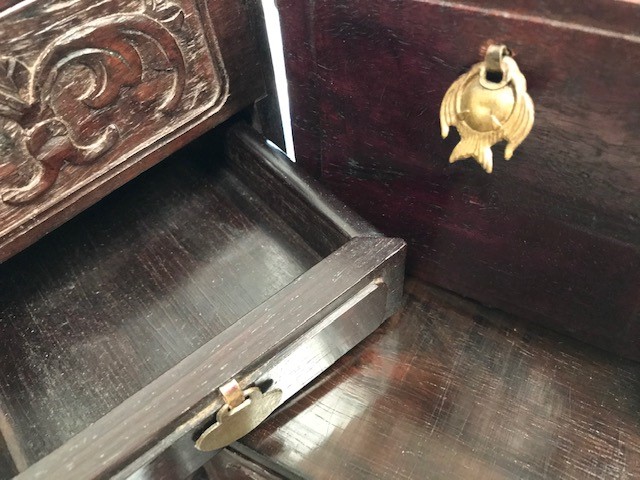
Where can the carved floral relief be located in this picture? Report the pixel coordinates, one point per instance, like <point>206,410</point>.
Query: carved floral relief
<point>67,107</point>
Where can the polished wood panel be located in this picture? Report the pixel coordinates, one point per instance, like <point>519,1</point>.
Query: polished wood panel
<point>238,463</point>
<point>553,235</point>
<point>450,389</point>
<point>120,326</point>
<point>107,303</point>
<point>267,118</point>
<point>92,94</point>
<point>227,465</point>
<point>287,341</point>
<point>292,194</point>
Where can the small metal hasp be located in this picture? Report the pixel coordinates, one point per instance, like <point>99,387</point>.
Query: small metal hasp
<point>488,104</point>
<point>243,411</point>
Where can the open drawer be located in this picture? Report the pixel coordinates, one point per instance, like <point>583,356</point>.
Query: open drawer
<point>118,329</point>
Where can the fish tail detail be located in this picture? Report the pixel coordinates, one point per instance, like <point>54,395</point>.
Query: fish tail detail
<point>484,156</point>
<point>476,148</point>
<point>464,149</point>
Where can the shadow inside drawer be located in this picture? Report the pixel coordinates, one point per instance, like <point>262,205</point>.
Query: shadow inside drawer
<point>108,302</point>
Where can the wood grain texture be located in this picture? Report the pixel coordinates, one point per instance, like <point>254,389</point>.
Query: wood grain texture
<point>120,326</point>
<point>7,462</point>
<point>112,300</point>
<point>450,389</point>
<point>184,399</point>
<point>291,193</point>
<point>553,235</point>
<point>612,16</point>
<point>92,96</point>
<point>231,464</point>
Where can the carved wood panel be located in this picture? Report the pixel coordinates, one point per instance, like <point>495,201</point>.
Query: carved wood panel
<point>84,87</point>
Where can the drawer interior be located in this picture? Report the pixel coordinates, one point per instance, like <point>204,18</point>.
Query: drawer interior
<point>107,303</point>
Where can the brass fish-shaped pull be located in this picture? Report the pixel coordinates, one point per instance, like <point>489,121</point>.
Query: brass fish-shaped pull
<point>488,104</point>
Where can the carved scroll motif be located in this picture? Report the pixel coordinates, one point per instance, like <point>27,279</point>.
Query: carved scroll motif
<point>36,138</point>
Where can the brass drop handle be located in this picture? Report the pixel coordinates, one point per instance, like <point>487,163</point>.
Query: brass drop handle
<point>488,104</point>
<point>243,411</point>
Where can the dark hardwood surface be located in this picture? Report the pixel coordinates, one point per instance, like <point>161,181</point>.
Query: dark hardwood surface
<point>94,93</point>
<point>607,16</point>
<point>238,463</point>
<point>108,302</point>
<point>227,465</point>
<point>450,389</point>
<point>267,118</point>
<point>553,235</point>
<point>285,342</point>
<point>320,218</point>
<point>7,464</point>
<point>120,326</point>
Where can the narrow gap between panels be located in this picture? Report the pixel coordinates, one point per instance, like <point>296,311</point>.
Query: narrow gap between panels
<point>274,35</point>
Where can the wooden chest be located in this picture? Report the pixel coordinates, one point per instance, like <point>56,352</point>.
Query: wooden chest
<point>140,302</point>
<point>553,235</point>
<point>121,330</point>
